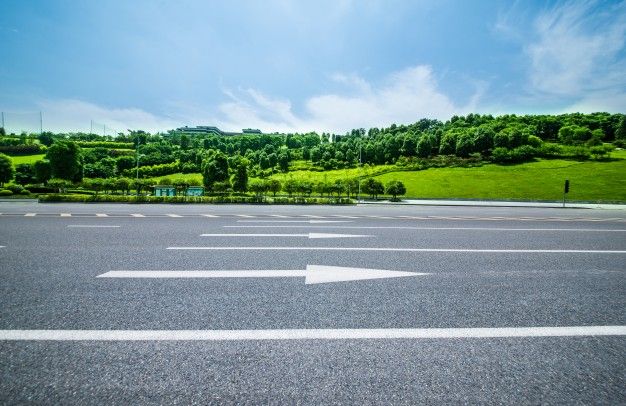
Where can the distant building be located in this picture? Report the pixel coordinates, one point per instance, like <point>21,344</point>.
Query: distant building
<point>203,129</point>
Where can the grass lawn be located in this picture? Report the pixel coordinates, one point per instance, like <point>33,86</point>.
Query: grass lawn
<point>186,176</point>
<point>541,180</point>
<point>26,159</point>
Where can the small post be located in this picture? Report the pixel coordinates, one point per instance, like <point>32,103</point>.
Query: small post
<point>565,190</point>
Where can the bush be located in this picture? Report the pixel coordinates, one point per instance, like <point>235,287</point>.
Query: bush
<point>16,189</point>
<point>5,192</point>
<point>73,198</point>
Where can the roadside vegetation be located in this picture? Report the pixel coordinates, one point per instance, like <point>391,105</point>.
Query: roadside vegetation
<point>473,156</point>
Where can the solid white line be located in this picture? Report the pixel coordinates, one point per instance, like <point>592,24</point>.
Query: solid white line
<point>101,215</point>
<point>278,216</point>
<point>312,216</point>
<point>397,250</point>
<point>30,214</point>
<point>295,221</point>
<point>173,215</point>
<point>254,235</point>
<point>90,226</point>
<point>205,274</point>
<point>446,228</point>
<point>66,215</point>
<point>137,215</point>
<point>308,334</point>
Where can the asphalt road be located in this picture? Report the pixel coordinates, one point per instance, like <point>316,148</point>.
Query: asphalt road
<point>475,268</point>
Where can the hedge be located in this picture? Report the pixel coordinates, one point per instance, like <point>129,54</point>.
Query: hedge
<point>189,199</point>
<point>22,149</point>
<point>105,144</point>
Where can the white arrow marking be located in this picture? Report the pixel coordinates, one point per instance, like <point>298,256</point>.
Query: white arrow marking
<point>294,221</point>
<point>309,235</point>
<point>313,274</point>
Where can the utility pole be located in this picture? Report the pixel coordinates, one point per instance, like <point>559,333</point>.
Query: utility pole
<point>40,123</point>
<point>358,195</point>
<point>90,126</point>
<point>3,120</point>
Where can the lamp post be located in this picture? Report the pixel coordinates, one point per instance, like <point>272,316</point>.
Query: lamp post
<point>137,167</point>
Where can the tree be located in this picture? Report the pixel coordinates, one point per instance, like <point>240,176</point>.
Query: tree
<point>6,169</point>
<point>395,188</point>
<point>25,174</point>
<point>240,179</point>
<point>464,145</point>
<point>372,187</point>
<point>283,161</point>
<point>66,160</point>
<point>274,186</point>
<point>425,146</point>
<point>620,130</point>
<point>214,169</point>
<point>43,171</point>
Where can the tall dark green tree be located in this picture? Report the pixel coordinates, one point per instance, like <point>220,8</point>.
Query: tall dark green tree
<point>240,178</point>
<point>620,131</point>
<point>43,171</point>
<point>6,169</point>
<point>214,169</point>
<point>65,160</point>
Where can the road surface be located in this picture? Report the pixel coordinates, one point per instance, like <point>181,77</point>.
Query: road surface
<point>311,304</point>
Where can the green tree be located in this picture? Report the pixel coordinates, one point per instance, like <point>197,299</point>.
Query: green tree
<point>620,130</point>
<point>395,188</point>
<point>372,187</point>
<point>464,145</point>
<point>43,171</point>
<point>274,186</point>
<point>6,169</point>
<point>214,169</point>
<point>240,178</point>
<point>425,146</point>
<point>66,160</point>
<point>283,161</point>
<point>25,174</point>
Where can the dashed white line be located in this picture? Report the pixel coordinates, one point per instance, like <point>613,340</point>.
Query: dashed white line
<point>66,214</point>
<point>30,214</point>
<point>137,215</point>
<point>90,226</point>
<point>209,215</point>
<point>173,215</point>
<point>101,215</point>
<point>309,334</point>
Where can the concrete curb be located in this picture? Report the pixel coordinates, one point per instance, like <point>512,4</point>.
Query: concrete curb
<point>495,203</point>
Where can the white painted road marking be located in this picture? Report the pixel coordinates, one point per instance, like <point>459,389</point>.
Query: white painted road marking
<point>313,274</point>
<point>209,215</point>
<point>173,215</point>
<point>591,230</point>
<point>309,334</point>
<point>90,226</point>
<point>66,215</point>
<point>309,235</point>
<point>294,221</point>
<point>468,250</point>
<point>30,214</point>
<point>137,215</point>
<point>101,215</point>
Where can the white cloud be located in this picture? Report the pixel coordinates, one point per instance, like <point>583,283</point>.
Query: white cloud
<point>76,115</point>
<point>577,50</point>
<point>402,97</point>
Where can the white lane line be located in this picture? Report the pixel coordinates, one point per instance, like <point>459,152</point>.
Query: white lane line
<point>309,235</point>
<point>90,226</point>
<point>30,214</point>
<point>444,228</point>
<point>312,216</point>
<point>245,216</point>
<point>101,215</point>
<point>280,216</point>
<point>465,250</point>
<point>294,221</point>
<point>66,215</point>
<point>209,215</point>
<point>309,334</point>
<point>340,216</point>
<point>2,246</point>
<point>173,215</point>
<point>279,273</point>
<point>137,215</point>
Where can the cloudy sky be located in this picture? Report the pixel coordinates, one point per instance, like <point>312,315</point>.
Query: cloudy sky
<point>282,65</point>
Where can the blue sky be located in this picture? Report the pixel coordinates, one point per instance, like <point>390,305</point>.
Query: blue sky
<point>282,65</point>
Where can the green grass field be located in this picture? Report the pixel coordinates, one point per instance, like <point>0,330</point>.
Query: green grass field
<point>26,159</point>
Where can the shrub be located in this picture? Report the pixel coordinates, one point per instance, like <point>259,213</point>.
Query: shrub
<point>5,192</point>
